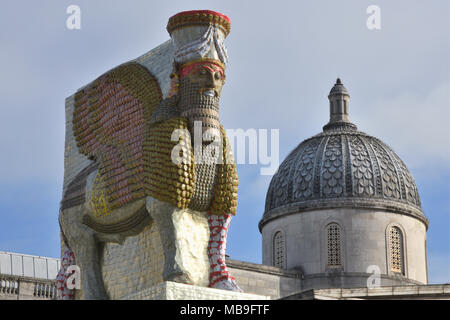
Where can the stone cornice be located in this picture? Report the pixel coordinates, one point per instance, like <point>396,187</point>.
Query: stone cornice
<point>260,268</point>
<point>350,203</point>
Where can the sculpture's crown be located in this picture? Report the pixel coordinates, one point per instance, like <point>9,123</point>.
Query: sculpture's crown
<point>199,17</point>
<point>199,35</point>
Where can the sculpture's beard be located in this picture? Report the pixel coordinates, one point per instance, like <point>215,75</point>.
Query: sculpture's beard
<point>199,104</point>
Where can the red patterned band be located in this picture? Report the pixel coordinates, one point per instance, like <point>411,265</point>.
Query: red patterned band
<point>210,65</point>
<point>199,17</point>
<point>201,12</point>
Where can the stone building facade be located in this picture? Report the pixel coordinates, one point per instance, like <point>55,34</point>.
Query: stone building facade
<point>342,206</point>
<point>27,277</point>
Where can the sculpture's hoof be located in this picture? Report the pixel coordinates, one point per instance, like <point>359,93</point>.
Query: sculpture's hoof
<point>179,277</point>
<point>227,284</point>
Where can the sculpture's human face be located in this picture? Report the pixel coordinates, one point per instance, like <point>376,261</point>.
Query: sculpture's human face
<point>199,92</point>
<point>207,76</point>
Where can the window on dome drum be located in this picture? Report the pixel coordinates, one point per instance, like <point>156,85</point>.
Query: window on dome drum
<point>278,250</point>
<point>396,250</point>
<point>334,244</point>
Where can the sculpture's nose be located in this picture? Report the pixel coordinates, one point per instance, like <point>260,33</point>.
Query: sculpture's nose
<point>210,81</point>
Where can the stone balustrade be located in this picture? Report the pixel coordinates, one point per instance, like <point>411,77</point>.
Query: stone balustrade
<point>26,288</point>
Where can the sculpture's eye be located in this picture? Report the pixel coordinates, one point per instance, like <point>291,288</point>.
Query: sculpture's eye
<point>218,76</point>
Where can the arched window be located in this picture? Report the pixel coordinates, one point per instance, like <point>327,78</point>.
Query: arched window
<point>334,245</point>
<point>278,250</point>
<point>396,254</point>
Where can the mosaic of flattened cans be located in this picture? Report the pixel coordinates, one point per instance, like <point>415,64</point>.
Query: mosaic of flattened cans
<point>98,201</point>
<point>110,118</point>
<point>165,180</point>
<point>205,18</point>
<point>112,125</point>
<point>204,186</point>
<point>225,193</point>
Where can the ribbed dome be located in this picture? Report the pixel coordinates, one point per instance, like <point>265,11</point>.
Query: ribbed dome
<point>342,167</point>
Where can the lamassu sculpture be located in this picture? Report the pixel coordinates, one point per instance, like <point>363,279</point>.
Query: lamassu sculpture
<point>144,167</point>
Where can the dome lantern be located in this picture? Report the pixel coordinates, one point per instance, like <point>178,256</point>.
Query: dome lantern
<point>339,101</point>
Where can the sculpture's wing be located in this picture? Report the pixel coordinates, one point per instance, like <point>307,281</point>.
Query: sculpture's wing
<point>110,119</point>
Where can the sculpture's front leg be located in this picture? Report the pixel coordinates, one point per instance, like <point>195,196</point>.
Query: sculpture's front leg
<point>219,277</point>
<point>63,292</point>
<point>85,251</point>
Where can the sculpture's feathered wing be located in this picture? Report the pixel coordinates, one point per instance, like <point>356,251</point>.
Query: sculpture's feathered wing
<point>112,126</point>
<point>110,120</point>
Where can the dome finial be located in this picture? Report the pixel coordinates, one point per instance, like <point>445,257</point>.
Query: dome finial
<point>339,101</point>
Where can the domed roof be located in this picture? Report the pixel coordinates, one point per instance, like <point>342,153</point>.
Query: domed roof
<point>342,167</point>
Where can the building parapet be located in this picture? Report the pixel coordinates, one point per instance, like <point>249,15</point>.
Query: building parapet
<point>25,265</point>
<point>410,292</point>
<point>26,288</point>
<point>261,268</point>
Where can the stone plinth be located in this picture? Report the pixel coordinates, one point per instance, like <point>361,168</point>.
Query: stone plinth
<point>177,291</point>
<point>139,262</point>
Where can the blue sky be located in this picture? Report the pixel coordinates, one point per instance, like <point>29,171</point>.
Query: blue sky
<point>284,58</point>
